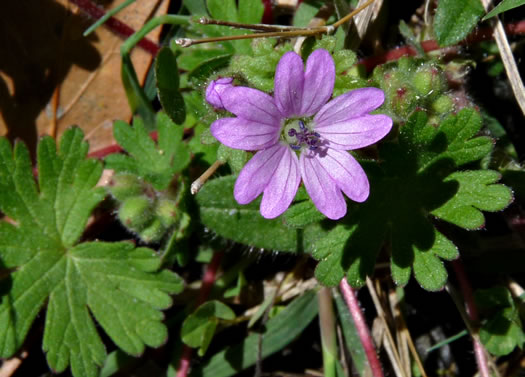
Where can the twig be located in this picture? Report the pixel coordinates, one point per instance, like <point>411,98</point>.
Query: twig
<point>362,329</point>
<point>207,283</point>
<point>10,366</point>
<point>187,42</point>
<point>471,315</point>
<point>238,25</point>
<point>349,16</point>
<point>199,182</point>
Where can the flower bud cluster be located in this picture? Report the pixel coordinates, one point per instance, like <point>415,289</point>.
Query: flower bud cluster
<point>410,84</point>
<point>143,211</point>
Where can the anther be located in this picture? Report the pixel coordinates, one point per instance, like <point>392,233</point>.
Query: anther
<point>292,132</point>
<point>301,125</point>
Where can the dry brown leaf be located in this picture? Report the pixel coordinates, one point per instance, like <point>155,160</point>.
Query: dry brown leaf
<point>42,45</point>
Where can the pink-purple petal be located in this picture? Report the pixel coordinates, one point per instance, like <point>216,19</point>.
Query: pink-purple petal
<point>288,84</point>
<point>319,81</point>
<point>349,105</point>
<point>281,190</point>
<point>323,190</point>
<point>239,133</point>
<point>346,172</point>
<point>356,133</point>
<point>257,173</point>
<point>251,104</point>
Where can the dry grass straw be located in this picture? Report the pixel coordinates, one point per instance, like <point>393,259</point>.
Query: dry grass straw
<point>508,60</point>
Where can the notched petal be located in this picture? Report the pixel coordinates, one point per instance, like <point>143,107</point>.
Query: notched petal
<point>319,82</point>
<point>281,190</point>
<point>346,173</point>
<point>323,190</point>
<point>288,84</point>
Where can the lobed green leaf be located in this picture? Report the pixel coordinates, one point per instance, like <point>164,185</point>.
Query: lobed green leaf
<point>116,284</point>
<point>156,163</point>
<point>416,179</point>
<point>477,192</point>
<point>199,327</point>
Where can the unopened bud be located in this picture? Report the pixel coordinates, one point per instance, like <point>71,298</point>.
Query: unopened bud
<point>135,212</point>
<point>215,90</point>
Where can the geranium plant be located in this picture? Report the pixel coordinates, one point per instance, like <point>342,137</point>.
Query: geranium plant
<point>269,177</point>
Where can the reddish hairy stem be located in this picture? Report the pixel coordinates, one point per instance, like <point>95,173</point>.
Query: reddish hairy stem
<point>431,45</point>
<point>362,329</point>
<point>116,26</point>
<point>207,283</point>
<point>472,311</point>
<point>209,277</point>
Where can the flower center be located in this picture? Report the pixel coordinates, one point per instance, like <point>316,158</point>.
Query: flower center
<point>298,135</point>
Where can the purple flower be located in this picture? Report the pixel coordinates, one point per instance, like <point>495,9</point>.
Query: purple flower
<point>300,135</point>
<point>215,90</point>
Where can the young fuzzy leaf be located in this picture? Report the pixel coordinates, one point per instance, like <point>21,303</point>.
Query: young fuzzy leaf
<point>417,179</point>
<point>116,284</point>
<point>156,163</point>
<point>199,327</point>
<point>455,19</point>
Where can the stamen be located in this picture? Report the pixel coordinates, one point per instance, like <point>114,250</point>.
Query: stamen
<point>302,126</point>
<point>303,137</point>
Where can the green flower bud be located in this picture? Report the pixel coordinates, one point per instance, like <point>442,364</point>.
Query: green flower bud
<point>443,104</point>
<point>167,212</point>
<point>135,212</point>
<point>422,82</point>
<point>124,186</point>
<point>153,232</point>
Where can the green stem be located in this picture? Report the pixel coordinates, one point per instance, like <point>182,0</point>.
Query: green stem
<point>328,334</point>
<point>107,16</point>
<point>136,96</point>
<point>171,19</point>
